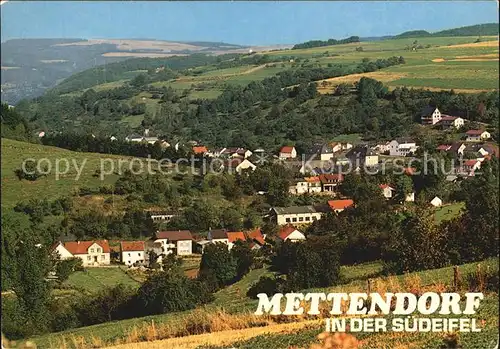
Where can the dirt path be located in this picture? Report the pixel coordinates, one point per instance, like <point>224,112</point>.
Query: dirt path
<point>220,338</point>
<point>220,77</point>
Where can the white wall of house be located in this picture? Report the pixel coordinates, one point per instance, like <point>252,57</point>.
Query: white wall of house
<point>131,257</point>
<point>387,192</point>
<point>371,160</point>
<point>95,256</point>
<point>295,236</point>
<point>244,165</point>
<point>300,218</point>
<point>291,155</point>
<point>63,252</point>
<point>184,247</point>
<point>325,157</point>
<point>410,197</point>
<point>403,149</point>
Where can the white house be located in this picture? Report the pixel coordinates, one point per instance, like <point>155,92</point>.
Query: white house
<point>132,252</point>
<point>233,236</point>
<point>290,233</point>
<point>387,190</point>
<point>287,152</point>
<point>306,185</point>
<point>218,235</point>
<point>477,135</point>
<point>430,116</point>
<point>336,147</point>
<point>295,214</point>
<point>382,147</point>
<point>448,121</point>
<point>161,216</point>
<point>92,253</point>
<point>179,242</point>
<point>436,202</point>
<point>470,166</point>
<point>238,165</point>
<point>410,197</point>
<point>402,147</point>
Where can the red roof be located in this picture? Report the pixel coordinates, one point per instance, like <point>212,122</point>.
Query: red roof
<point>286,149</point>
<point>286,231</point>
<point>448,117</point>
<point>174,235</point>
<point>340,204</point>
<point>233,236</point>
<point>384,186</point>
<point>410,170</point>
<point>471,162</point>
<point>82,247</point>
<point>132,246</point>
<point>200,150</point>
<point>474,132</point>
<point>312,179</point>
<point>328,178</point>
<point>444,147</point>
<point>256,235</point>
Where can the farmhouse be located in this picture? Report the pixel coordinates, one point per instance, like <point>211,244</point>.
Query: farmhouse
<point>92,253</point>
<point>477,135</point>
<point>340,205</point>
<point>257,237</point>
<point>287,152</point>
<point>290,233</point>
<point>132,252</point>
<point>402,147</point>
<point>295,214</point>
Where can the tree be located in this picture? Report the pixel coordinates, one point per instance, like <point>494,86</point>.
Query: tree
<point>218,266</point>
<point>403,187</point>
<point>243,256</point>
<point>417,245</point>
<point>65,267</point>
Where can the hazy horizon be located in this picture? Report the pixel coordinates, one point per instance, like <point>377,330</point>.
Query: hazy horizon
<point>242,23</point>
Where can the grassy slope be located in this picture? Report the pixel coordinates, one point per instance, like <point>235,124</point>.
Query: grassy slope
<point>14,153</point>
<point>233,299</point>
<point>94,279</point>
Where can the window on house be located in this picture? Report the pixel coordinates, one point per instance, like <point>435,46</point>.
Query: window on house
<point>308,219</point>
<point>294,219</point>
<point>91,250</point>
<point>129,254</point>
<point>288,220</point>
<point>301,219</point>
<point>139,254</point>
<point>88,258</point>
<point>98,250</point>
<point>103,257</point>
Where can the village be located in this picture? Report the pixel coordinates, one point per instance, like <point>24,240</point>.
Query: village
<point>327,165</point>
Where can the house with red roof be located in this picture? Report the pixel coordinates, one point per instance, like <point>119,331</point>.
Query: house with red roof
<point>306,185</point>
<point>290,233</point>
<point>256,237</point>
<point>92,253</point>
<point>233,236</point>
<point>287,152</point>
<point>387,190</point>
<point>477,135</point>
<point>443,147</point>
<point>470,166</point>
<point>200,150</point>
<point>340,205</point>
<point>132,252</point>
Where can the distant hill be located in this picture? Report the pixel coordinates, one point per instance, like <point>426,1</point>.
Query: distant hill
<point>472,30</point>
<point>31,66</point>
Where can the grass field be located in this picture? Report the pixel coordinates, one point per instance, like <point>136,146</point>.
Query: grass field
<point>233,300</point>
<point>448,212</point>
<point>50,187</point>
<point>94,279</point>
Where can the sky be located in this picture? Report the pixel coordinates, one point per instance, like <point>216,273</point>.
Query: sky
<point>237,22</point>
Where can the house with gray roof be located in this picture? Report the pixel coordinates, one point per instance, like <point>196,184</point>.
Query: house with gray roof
<point>295,214</point>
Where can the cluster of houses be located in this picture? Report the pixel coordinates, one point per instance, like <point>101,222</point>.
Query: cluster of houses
<point>133,253</point>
